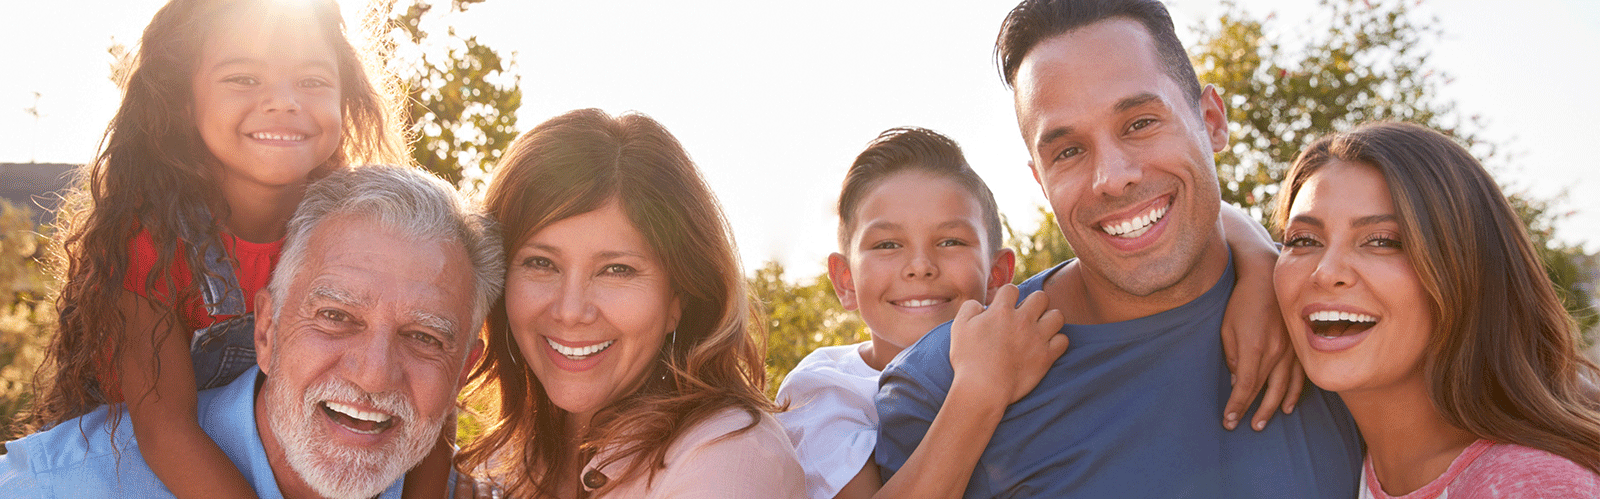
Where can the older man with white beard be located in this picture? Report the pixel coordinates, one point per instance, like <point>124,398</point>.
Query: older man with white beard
<point>363,337</point>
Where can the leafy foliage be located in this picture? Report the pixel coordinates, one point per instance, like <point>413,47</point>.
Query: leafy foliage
<point>800,318</point>
<point>27,311</point>
<point>461,102</point>
<point>1359,61</point>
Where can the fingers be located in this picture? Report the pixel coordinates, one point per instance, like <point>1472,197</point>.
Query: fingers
<point>1230,349</point>
<point>1006,295</point>
<point>1246,383</point>
<point>968,310</point>
<point>1277,386</point>
<point>1297,385</point>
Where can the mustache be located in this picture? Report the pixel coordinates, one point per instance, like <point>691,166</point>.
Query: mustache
<point>338,390</point>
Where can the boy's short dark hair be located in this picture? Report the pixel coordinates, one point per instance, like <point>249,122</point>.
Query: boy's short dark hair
<point>1034,21</point>
<point>913,149</point>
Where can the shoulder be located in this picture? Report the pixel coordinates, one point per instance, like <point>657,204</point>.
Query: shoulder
<point>731,454</point>
<point>1510,470</point>
<point>829,372</point>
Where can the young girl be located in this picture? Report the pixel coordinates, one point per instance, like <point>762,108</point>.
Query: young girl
<point>920,245</point>
<point>1412,290</point>
<point>232,107</point>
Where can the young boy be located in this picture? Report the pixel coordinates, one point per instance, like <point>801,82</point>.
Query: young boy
<point>919,237</point>
<point>920,245</point>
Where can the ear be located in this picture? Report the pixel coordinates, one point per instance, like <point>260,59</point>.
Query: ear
<point>1215,116</point>
<point>263,332</point>
<point>844,286</point>
<point>1035,172</point>
<point>1001,271</point>
<point>473,356</point>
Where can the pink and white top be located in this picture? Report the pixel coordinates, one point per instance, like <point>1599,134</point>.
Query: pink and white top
<point>1489,470</point>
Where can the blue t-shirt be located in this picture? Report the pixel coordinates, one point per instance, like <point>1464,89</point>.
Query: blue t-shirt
<point>1133,409</point>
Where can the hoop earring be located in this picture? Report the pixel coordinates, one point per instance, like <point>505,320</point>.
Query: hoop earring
<point>671,345</point>
<point>511,350</point>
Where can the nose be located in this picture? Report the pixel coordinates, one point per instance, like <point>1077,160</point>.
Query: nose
<point>1115,171</point>
<point>572,303</point>
<point>921,265</point>
<point>281,97</point>
<point>372,363</point>
<point>1333,270</point>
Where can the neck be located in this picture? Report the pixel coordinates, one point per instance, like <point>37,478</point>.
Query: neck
<point>260,214</point>
<point>289,482</point>
<point>877,353</point>
<point>1102,302</point>
<point>1407,438</point>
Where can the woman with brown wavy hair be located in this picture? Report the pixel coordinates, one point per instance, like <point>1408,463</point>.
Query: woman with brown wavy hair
<point>623,360</point>
<point>1411,288</point>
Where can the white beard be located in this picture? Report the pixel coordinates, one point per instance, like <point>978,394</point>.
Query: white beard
<point>337,471</point>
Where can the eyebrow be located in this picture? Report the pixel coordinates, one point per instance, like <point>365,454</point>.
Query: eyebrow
<point>1123,105</point>
<point>437,322</point>
<point>335,295</point>
<point>1359,222</point>
<point>316,63</point>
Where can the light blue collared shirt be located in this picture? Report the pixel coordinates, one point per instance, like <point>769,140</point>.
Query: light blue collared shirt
<point>80,457</point>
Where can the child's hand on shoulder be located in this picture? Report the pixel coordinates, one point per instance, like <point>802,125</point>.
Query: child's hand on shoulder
<point>1006,350</point>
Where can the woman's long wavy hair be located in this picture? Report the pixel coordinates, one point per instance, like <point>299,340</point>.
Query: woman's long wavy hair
<point>154,173</point>
<point>1505,362</point>
<point>573,164</point>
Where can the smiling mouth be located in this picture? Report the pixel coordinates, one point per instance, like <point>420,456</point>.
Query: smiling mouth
<point>927,302</point>
<point>1138,225</point>
<point>277,136</point>
<point>579,353</point>
<point>357,420</point>
<point>1330,324</point>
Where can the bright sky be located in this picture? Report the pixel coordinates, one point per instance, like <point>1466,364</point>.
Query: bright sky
<point>773,100</point>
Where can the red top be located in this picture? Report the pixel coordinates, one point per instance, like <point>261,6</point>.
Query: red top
<point>255,264</point>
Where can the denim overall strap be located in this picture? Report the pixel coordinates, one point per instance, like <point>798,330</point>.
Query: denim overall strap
<point>226,348</point>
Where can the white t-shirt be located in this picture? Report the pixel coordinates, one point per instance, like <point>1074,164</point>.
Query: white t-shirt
<point>831,418</point>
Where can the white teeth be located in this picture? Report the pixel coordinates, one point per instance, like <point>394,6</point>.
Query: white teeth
<point>920,303</point>
<point>578,353</point>
<point>354,413</point>
<point>276,136</point>
<point>1138,225</point>
<point>1330,316</point>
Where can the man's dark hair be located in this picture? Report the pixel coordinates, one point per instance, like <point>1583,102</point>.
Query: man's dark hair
<point>1034,21</point>
<point>913,149</point>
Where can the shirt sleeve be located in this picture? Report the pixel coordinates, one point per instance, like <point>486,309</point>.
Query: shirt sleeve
<point>912,389</point>
<point>711,462</point>
<point>16,477</point>
<point>828,423</point>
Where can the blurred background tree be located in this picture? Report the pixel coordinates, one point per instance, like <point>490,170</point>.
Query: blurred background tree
<point>800,317</point>
<point>461,95</point>
<point>1355,61</point>
<point>27,310</point>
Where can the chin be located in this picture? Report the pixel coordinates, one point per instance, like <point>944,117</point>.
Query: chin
<point>338,470</point>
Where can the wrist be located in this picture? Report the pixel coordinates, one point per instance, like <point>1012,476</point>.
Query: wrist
<point>972,394</point>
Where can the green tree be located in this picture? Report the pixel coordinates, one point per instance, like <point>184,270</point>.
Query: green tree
<point>26,310</point>
<point>800,317</point>
<point>1357,61</point>
<point>1039,250</point>
<point>461,95</point>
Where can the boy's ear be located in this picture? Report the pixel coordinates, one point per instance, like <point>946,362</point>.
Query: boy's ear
<point>263,332</point>
<point>843,284</point>
<point>1001,272</point>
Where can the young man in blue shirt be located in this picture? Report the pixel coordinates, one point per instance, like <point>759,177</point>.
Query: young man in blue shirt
<point>1122,138</point>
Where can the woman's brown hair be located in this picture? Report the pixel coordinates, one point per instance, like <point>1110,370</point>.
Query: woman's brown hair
<point>1505,362</point>
<point>573,164</point>
<point>154,173</point>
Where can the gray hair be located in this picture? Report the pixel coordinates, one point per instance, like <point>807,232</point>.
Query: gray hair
<point>406,200</point>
